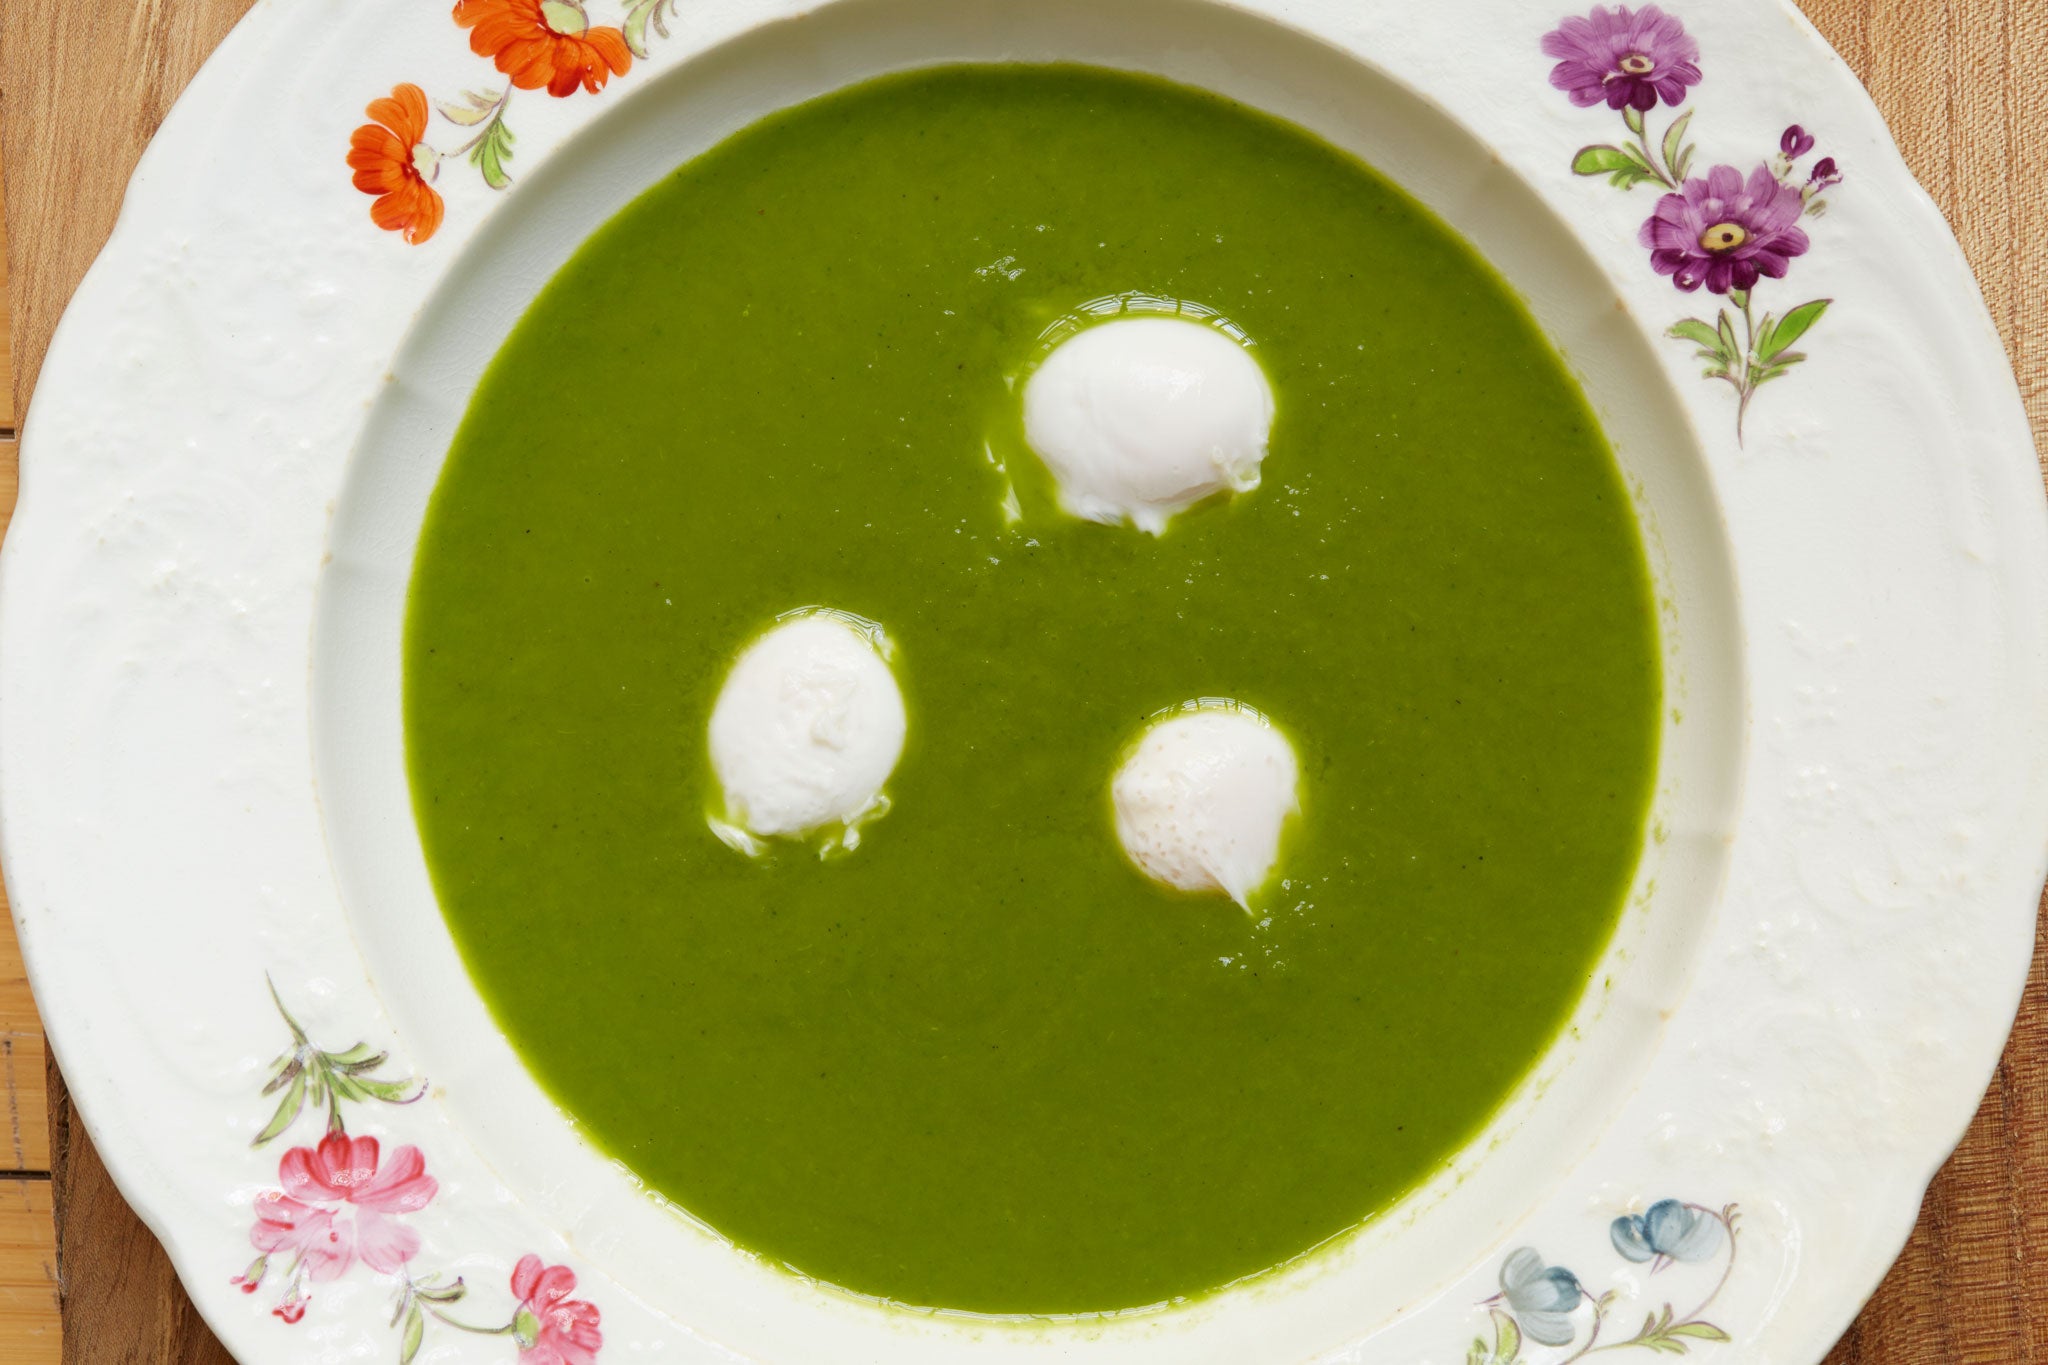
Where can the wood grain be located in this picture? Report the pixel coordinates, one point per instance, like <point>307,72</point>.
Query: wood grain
<point>6,333</point>
<point>121,1304</point>
<point>30,1324</point>
<point>29,1330</point>
<point>24,1105</point>
<point>84,84</point>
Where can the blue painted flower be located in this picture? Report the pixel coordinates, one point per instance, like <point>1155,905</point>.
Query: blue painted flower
<point>1542,1297</point>
<point>1670,1231</point>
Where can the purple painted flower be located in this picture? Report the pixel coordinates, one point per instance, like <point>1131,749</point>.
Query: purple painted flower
<point>1825,173</point>
<point>1795,142</point>
<point>1627,58</point>
<point>1723,233</point>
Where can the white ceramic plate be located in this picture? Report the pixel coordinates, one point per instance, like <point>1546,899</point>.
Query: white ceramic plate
<point>229,455</point>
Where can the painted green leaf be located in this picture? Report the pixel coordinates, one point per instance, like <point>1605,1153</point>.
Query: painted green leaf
<point>1782,365</point>
<point>1633,117</point>
<point>287,1110</point>
<point>285,1075</point>
<point>1623,166</point>
<point>348,1087</point>
<point>1477,1355</point>
<point>1763,333</point>
<point>1674,142</point>
<point>1791,327</point>
<point>1701,335</point>
<point>1726,326</point>
<point>391,1092</point>
<point>1601,159</point>
<point>415,1333</point>
<point>1509,1347</point>
<point>1683,166</point>
<point>642,14</point>
<point>471,110</point>
<point>635,30</point>
<point>492,151</point>
<point>358,1055</point>
<point>1700,1331</point>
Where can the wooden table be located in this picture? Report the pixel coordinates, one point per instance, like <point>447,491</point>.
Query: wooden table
<point>83,85</point>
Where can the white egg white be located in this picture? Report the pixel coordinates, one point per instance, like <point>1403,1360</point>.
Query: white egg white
<point>1141,417</point>
<point>1203,797</point>
<point>806,732</point>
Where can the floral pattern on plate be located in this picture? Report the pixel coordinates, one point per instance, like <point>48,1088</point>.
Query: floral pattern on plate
<point>1726,230</point>
<point>343,1202</point>
<point>546,45</point>
<point>1546,1306</point>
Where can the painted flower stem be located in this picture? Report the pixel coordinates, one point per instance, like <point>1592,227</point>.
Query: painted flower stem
<point>298,1033</point>
<point>1592,1336</point>
<point>303,1054</point>
<point>1693,1319</point>
<point>345,1202</point>
<point>536,45</point>
<point>1540,1302</point>
<point>309,1075</point>
<point>489,118</point>
<point>459,1325</point>
<point>1726,1218</point>
<point>1746,389</point>
<point>1637,123</point>
<point>1723,231</point>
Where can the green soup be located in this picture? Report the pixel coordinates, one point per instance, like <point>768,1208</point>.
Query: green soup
<point>981,1062</point>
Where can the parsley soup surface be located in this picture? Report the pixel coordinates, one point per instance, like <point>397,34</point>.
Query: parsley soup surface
<point>981,1062</point>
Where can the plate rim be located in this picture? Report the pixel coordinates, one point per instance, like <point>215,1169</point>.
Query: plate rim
<point>132,1170</point>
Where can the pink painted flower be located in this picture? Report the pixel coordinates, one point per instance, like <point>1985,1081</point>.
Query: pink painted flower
<point>337,1207</point>
<point>1725,234</point>
<point>293,1308</point>
<point>550,1327</point>
<point>1625,58</point>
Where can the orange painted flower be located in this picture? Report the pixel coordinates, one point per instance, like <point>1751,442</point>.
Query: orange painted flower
<point>544,43</point>
<point>392,161</point>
